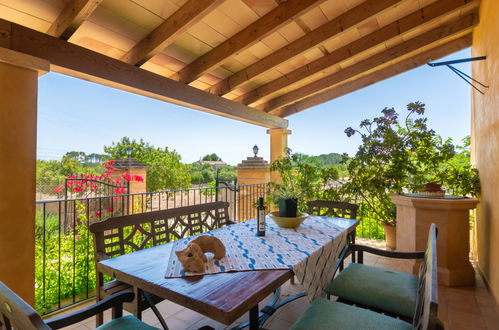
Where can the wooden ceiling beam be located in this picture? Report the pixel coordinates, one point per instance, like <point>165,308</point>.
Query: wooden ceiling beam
<point>165,34</point>
<point>253,33</point>
<point>414,20</point>
<point>347,20</point>
<point>80,62</point>
<point>71,17</point>
<point>377,76</point>
<point>440,33</point>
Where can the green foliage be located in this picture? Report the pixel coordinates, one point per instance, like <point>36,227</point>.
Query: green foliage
<point>400,156</point>
<point>332,160</point>
<point>299,179</point>
<point>227,173</point>
<point>201,173</point>
<point>212,157</point>
<point>48,175</point>
<point>205,174</point>
<point>76,255</point>
<point>458,176</point>
<point>51,173</point>
<point>165,170</point>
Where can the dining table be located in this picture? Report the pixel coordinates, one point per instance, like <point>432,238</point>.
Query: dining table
<point>224,296</point>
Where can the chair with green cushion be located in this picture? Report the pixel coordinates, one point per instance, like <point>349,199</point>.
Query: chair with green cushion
<point>325,314</point>
<point>16,313</point>
<point>379,289</point>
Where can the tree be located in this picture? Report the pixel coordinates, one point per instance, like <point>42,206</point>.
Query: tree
<point>165,170</point>
<point>212,157</point>
<point>227,174</point>
<point>395,157</point>
<point>201,173</point>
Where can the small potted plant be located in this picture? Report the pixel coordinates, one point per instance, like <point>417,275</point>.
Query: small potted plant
<point>287,200</point>
<point>298,183</point>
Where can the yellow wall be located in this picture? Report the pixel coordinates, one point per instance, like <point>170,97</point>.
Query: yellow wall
<point>18,99</point>
<point>485,140</point>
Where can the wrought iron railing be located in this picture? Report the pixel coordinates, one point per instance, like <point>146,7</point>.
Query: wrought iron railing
<point>65,271</point>
<point>64,261</point>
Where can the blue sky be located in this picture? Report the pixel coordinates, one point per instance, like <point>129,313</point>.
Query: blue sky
<point>76,115</point>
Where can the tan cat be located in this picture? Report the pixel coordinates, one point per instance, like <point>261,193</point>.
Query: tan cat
<point>193,257</point>
<point>210,244</point>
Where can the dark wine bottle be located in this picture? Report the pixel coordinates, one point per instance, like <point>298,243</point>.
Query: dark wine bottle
<point>260,218</point>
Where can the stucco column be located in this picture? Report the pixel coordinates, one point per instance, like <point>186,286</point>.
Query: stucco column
<point>452,217</point>
<point>278,145</point>
<point>253,172</point>
<point>18,112</point>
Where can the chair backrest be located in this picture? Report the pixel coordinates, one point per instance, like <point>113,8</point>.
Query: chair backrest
<point>425,316</point>
<point>333,209</point>
<point>124,234</point>
<point>16,313</point>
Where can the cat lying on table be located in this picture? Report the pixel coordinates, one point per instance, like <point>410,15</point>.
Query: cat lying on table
<point>193,257</point>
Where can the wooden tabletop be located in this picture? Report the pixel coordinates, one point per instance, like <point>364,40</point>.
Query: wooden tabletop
<point>223,297</point>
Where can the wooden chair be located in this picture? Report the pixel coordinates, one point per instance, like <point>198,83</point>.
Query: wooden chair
<point>124,234</point>
<point>333,209</point>
<point>337,210</point>
<point>390,291</point>
<point>325,314</point>
<point>15,313</point>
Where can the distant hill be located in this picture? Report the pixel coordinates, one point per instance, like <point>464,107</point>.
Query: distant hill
<point>321,160</point>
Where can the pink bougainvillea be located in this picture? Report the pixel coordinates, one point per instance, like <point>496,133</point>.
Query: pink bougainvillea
<point>87,183</point>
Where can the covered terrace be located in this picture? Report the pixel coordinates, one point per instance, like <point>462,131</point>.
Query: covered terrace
<point>256,61</point>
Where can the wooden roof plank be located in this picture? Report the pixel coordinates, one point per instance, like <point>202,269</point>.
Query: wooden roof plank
<point>377,76</point>
<point>339,24</point>
<point>72,16</point>
<point>372,62</point>
<point>245,38</point>
<point>422,16</point>
<point>166,33</point>
<point>71,59</point>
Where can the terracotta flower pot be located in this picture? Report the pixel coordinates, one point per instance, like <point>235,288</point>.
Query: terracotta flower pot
<point>288,207</point>
<point>433,187</point>
<point>390,236</point>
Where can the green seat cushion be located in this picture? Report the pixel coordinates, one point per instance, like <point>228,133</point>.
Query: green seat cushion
<point>325,314</point>
<point>381,288</point>
<point>128,322</point>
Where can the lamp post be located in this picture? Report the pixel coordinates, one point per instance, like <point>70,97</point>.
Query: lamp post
<point>255,150</point>
<point>128,152</point>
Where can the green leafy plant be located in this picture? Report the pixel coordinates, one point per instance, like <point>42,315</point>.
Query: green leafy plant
<point>64,260</point>
<point>300,180</point>
<point>398,156</point>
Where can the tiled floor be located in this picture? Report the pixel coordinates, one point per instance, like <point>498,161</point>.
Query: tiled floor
<point>459,308</point>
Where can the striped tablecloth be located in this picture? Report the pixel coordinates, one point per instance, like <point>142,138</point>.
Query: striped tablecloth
<point>311,250</point>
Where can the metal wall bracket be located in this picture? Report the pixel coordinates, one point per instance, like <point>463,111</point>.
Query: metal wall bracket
<point>460,73</point>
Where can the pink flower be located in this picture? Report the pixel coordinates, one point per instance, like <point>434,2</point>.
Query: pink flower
<point>58,189</point>
<point>119,190</point>
<point>295,172</point>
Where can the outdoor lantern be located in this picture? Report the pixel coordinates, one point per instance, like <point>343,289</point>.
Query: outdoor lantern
<point>128,152</point>
<point>255,150</point>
